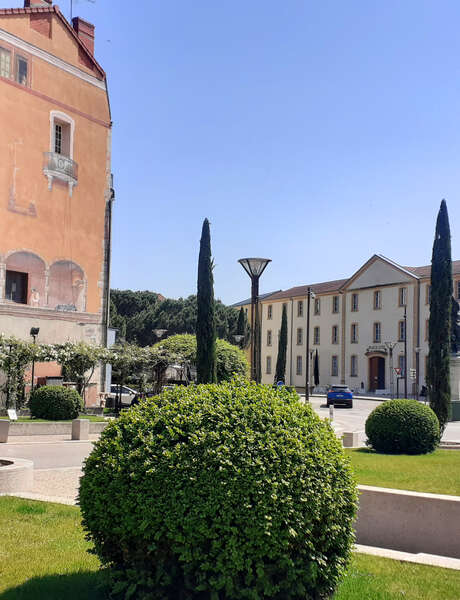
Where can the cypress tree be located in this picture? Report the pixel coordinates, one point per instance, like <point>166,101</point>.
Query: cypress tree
<point>438,369</point>
<point>205,323</point>
<point>241,325</point>
<point>282,347</point>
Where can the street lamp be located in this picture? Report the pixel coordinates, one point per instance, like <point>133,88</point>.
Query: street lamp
<point>159,333</point>
<point>254,267</point>
<point>34,331</point>
<point>310,295</point>
<point>390,346</point>
<point>238,339</point>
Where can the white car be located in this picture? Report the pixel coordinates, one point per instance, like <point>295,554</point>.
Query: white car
<point>127,394</point>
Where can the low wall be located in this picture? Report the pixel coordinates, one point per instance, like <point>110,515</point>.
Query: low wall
<point>16,475</point>
<point>409,521</point>
<point>53,428</point>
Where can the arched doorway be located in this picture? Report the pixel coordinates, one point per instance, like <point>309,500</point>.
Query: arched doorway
<point>376,373</point>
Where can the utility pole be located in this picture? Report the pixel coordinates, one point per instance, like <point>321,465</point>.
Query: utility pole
<point>405,351</point>
<point>307,354</point>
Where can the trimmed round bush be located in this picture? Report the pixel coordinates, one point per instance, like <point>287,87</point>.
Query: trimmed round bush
<point>221,492</point>
<point>402,427</point>
<point>55,402</point>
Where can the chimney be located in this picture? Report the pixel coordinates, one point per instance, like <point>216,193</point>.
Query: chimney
<point>37,3</point>
<point>85,32</point>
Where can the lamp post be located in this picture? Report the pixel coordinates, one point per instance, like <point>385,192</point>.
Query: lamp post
<point>254,267</point>
<point>417,366</point>
<point>34,331</point>
<point>310,295</point>
<point>390,346</point>
<point>238,339</point>
<point>405,351</point>
<point>159,333</point>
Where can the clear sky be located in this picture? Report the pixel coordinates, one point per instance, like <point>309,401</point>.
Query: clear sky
<point>312,133</point>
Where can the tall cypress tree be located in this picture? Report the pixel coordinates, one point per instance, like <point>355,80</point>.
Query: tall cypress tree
<point>282,347</point>
<point>241,324</point>
<point>205,323</point>
<point>438,369</point>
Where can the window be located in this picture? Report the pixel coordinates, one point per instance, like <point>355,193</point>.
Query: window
<point>21,70</point>
<point>354,302</point>
<point>16,287</point>
<point>270,311</point>
<point>427,330</point>
<point>335,304</point>
<point>300,308</point>
<point>401,331</point>
<point>458,290</point>
<point>269,365</point>
<point>269,337</point>
<point>5,63</point>
<point>335,334</point>
<point>402,293</point>
<point>299,336</point>
<point>402,364</point>
<point>298,366</point>
<point>317,309</point>
<point>62,138</point>
<point>335,366</point>
<point>377,300</point>
<point>316,336</point>
<point>353,366</point>
<point>354,333</point>
<point>377,333</point>
<point>428,294</point>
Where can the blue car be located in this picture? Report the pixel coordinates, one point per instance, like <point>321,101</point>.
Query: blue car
<point>340,394</point>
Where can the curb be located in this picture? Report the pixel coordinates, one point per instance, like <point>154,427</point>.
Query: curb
<point>432,560</point>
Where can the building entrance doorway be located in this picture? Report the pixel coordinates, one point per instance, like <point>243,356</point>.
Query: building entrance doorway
<point>376,373</point>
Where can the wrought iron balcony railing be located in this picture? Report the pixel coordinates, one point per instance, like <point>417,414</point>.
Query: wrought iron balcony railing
<point>62,167</point>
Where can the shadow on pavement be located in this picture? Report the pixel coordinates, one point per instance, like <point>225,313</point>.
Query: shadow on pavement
<point>85,585</point>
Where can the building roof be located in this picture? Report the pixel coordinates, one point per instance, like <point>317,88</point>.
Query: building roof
<point>326,287</point>
<point>248,301</point>
<point>426,271</point>
<point>57,12</point>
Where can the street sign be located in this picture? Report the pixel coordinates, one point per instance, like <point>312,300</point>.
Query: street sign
<point>398,370</point>
<point>413,373</point>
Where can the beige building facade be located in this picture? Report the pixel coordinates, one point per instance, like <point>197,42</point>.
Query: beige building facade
<point>358,328</point>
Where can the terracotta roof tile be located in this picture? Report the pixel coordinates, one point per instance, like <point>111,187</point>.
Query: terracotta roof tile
<point>317,288</point>
<point>426,270</point>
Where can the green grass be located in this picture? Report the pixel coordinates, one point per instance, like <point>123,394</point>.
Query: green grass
<point>43,556</point>
<point>436,473</point>
<point>94,418</point>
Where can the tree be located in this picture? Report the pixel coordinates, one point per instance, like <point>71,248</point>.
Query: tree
<point>316,369</point>
<point>205,322</point>
<point>438,370</point>
<point>280,373</point>
<point>241,324</point>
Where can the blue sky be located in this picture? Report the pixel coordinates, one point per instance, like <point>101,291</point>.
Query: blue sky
<point>313,133</point>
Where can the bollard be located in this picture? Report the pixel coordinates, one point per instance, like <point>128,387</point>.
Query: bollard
<point>331,412</point>
<point>4,430</point>
<point>350,439</point>
<point>80,429</point>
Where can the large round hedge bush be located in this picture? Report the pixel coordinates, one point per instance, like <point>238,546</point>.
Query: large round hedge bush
<point>54,402</point>
<point>221,492</point>
<point>402,427</point>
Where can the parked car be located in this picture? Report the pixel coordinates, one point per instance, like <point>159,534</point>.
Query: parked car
<point>127,395</point>
<point>340,394</point>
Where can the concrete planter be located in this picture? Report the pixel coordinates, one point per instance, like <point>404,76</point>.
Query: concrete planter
<point>4,430</point>
<point>52,428</point>
<point>409,521</point>
<point>16,475</point>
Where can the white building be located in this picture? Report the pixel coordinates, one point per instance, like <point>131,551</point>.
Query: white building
<point>353,324</point>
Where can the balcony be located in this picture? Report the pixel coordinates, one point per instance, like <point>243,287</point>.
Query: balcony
<point>60,167</point>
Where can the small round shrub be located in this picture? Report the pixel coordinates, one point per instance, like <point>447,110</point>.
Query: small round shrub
<point>402,427</point>
<point>54,402</point>
<point>226,491</point>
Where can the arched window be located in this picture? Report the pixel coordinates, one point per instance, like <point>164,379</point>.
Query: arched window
<point>67,286</point>
<point>25,278</point>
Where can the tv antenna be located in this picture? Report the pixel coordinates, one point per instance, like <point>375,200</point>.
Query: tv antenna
<point>71,6</point>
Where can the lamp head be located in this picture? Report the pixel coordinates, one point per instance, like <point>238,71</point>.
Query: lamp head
<point>34,331</point>
<point>254,267</point>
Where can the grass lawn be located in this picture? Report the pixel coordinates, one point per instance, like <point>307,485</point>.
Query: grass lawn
<point>436,473</point>
<point>43,557</point>
<point>94,418</point>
